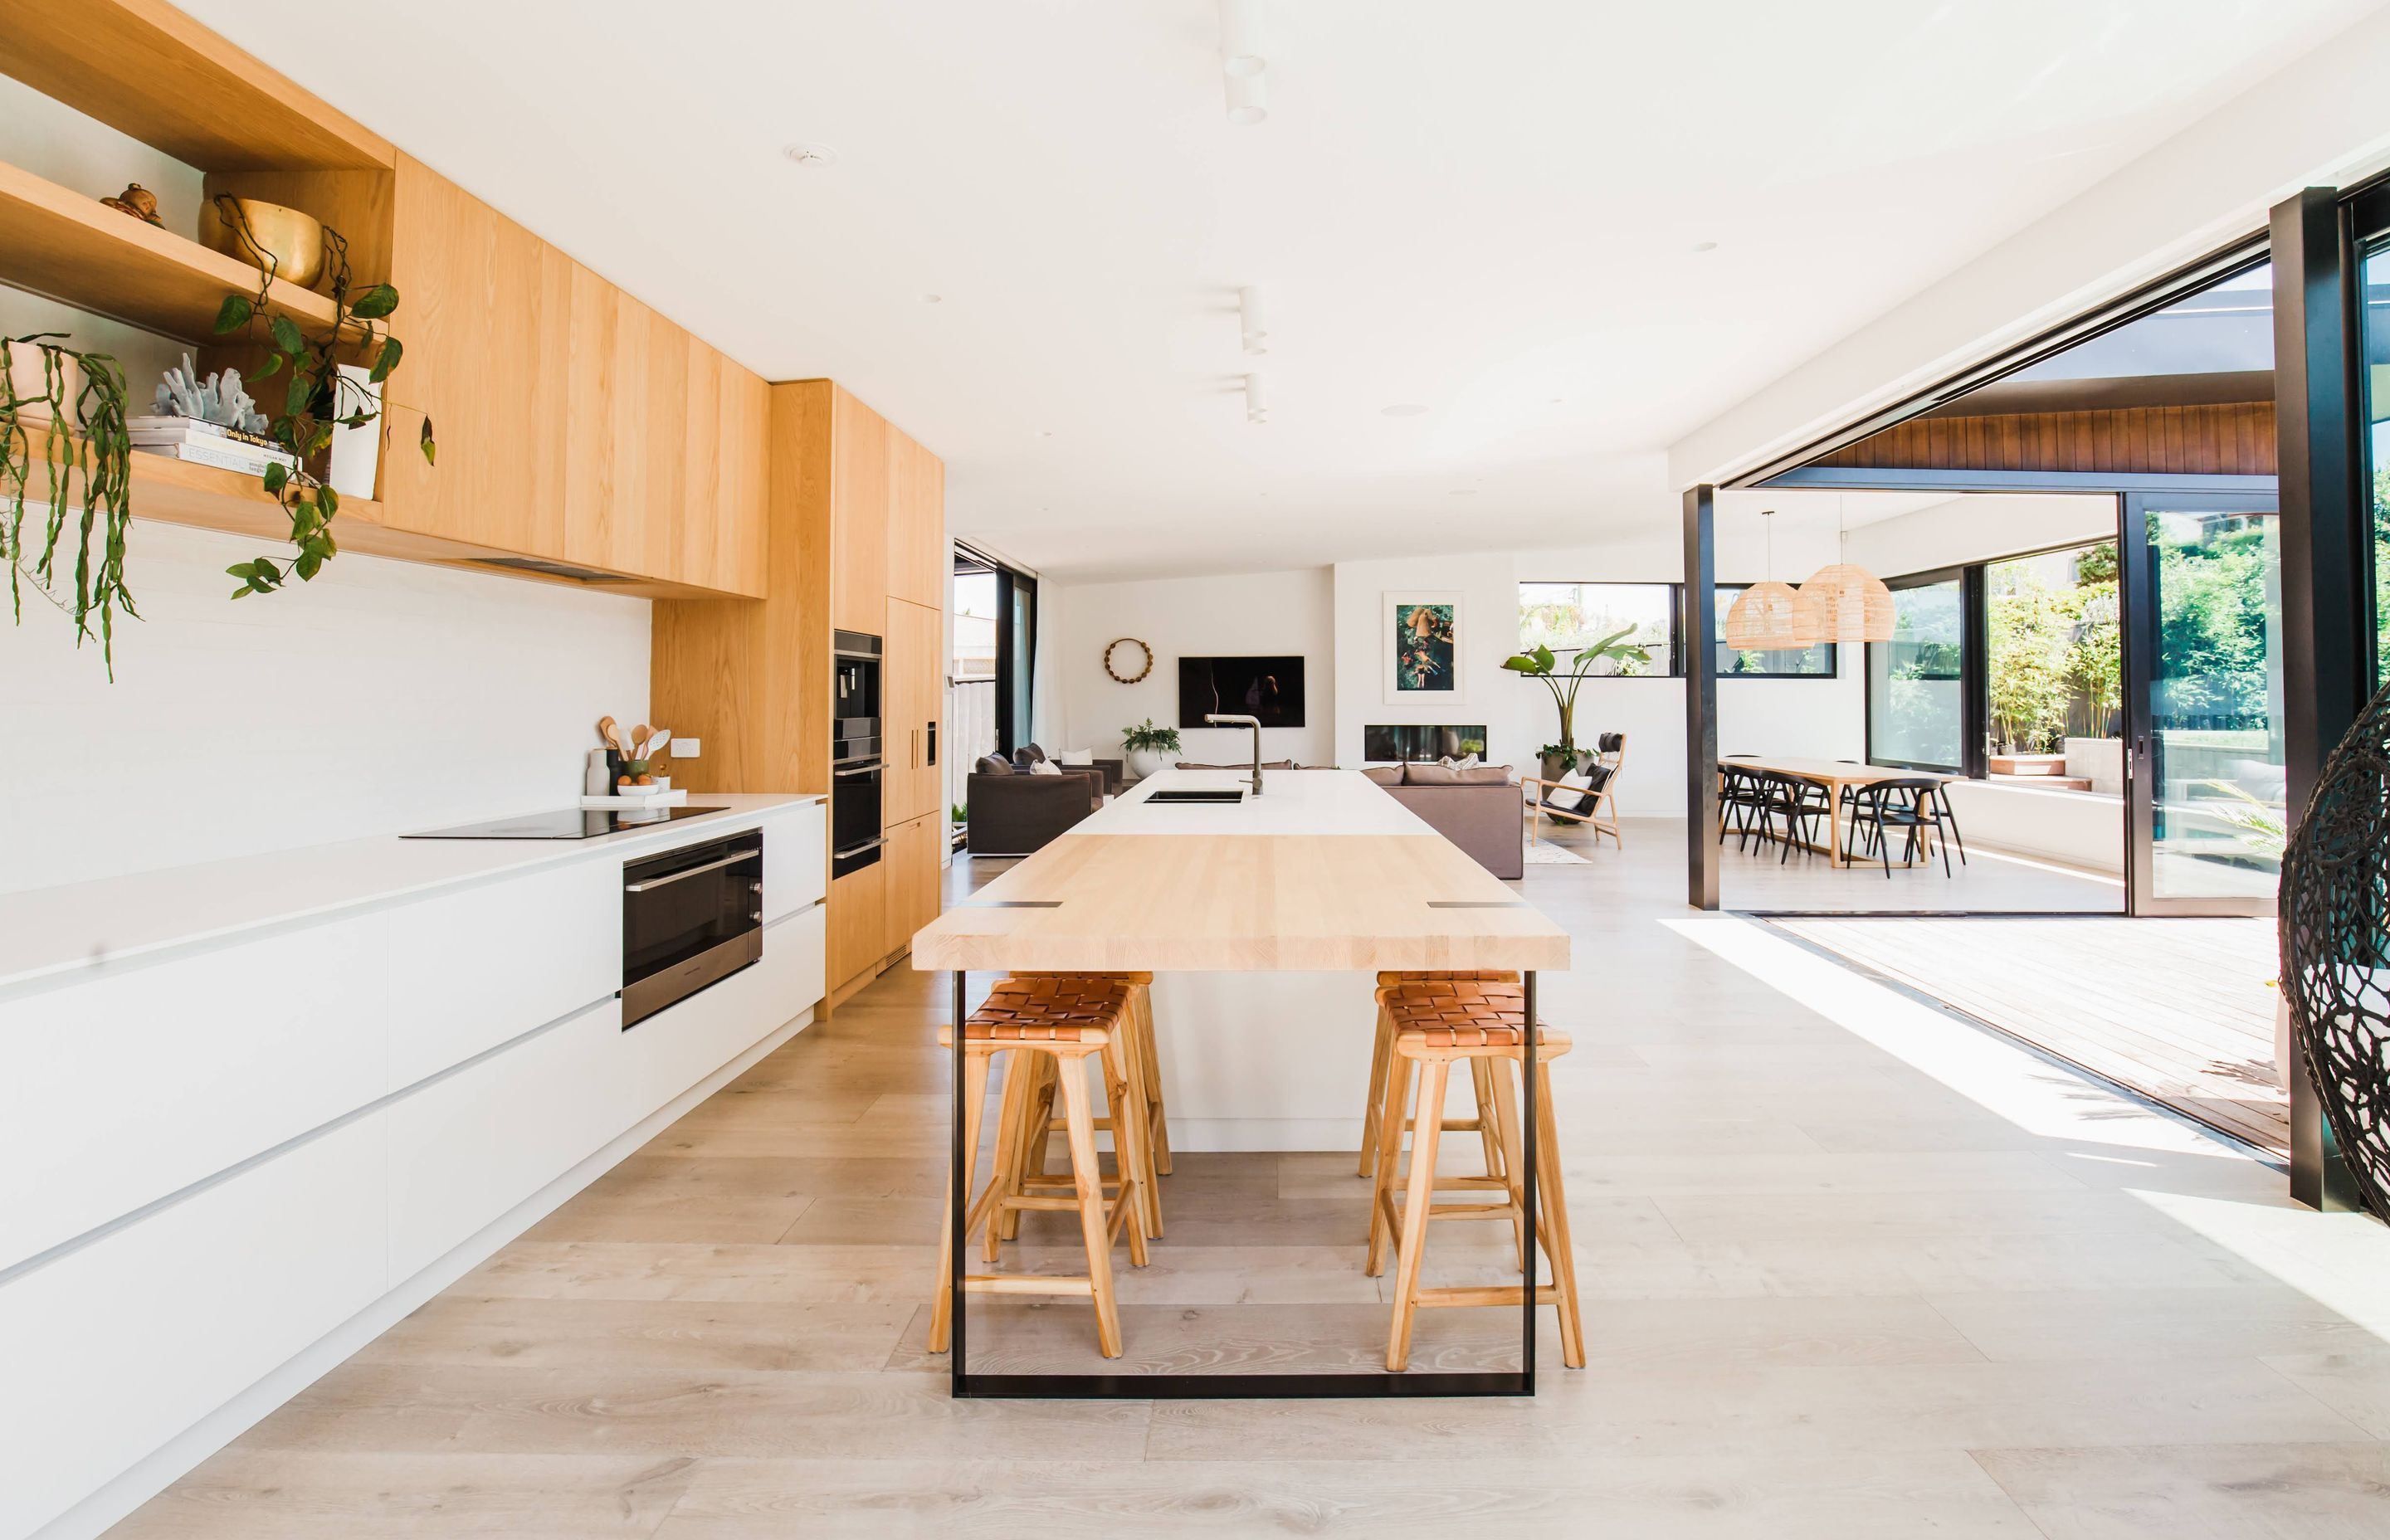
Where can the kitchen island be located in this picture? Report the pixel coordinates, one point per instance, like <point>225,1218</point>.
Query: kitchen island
<point>1264,921</point>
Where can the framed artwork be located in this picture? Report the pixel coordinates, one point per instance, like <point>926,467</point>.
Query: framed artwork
<point>1423,648</point>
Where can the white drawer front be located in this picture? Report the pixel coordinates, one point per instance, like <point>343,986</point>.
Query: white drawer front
<point>466,1148</point>
<point>676,1047</point>
<point>470,970</point>
<point>116,1348</point>
<point>118,1091</point>
<point>796,853</point>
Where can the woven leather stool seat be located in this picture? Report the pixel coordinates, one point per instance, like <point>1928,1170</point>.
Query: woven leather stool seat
<point>1029,1094</point>
<point>1479,1015</point>
<point>1076,1007</point>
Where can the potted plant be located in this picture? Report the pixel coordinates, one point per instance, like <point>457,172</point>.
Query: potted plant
<point>1564,681</point>
<point>1146,745</point>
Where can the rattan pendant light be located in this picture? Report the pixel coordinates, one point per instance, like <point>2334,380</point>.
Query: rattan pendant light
<point>1772,616</point>
<point>1852,604</point>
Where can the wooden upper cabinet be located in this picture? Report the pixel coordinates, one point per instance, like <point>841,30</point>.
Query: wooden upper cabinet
<point>917,523</point>
<point>576,425</point>
<point>858,515</point>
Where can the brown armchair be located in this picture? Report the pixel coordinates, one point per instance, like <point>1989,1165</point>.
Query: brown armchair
<point>1016,813</point>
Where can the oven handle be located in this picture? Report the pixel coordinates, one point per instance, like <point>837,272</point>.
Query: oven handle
<point>693,871</point>
<point>859,770</point>
<point>856,849</point>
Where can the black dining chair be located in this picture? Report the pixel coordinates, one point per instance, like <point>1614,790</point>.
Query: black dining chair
<point>1742,797</point>
<point>1913,806</point>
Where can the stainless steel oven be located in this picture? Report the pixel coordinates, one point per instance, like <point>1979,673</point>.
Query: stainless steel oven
<point>855,807</point>
<point>690,918</point>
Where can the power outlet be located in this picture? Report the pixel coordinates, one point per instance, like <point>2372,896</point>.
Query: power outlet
<point>684,747</point>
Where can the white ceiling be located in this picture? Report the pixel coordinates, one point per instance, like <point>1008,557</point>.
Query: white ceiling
<point>1487,208</point>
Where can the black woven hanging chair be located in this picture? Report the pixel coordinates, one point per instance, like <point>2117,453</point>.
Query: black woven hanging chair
<point>2335,946</point>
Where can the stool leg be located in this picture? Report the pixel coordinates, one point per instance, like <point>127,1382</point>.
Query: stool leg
<point>1141,1006</point>
<point>1553,1230</point>
<point>1489,1138</point>
<point>974,1094</point>
<point>1036,1133</point>
<point>1514,1163</point>
<point>1124,1092</point>
<point>1087,1180</point>
<point>1007,1155</point>
<point>1421,1198</point>
<point>1388,1157</point>
<point>1379,1055</point>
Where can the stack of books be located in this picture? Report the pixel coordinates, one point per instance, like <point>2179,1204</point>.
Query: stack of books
<point>207,444</point>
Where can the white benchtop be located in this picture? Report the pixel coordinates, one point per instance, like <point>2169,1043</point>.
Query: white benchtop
<point>1292,801</point>
<point>45,932</point>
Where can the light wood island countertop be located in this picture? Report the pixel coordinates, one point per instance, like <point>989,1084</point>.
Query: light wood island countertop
<point>1322,872</point>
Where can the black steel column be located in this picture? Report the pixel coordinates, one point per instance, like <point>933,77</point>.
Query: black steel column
<point>1974,674</point>
<point>2327,647</point>
<point>1698,625</point>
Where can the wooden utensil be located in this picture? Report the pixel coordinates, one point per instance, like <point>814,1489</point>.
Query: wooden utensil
<point>605,731</point>
<point>639,741</point>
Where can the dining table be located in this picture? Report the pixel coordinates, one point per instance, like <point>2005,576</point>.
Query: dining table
<point>1836,775</point>
<point>1273,912</point>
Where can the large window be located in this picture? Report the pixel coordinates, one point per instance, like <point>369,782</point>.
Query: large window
<point>1566,616</point>
<point>2375,339</point>
<point>1917,710</point>
<point>2053,662</point>
<point>1814,663</point>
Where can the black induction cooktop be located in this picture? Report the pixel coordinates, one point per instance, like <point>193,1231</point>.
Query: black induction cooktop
<point>570,824</point>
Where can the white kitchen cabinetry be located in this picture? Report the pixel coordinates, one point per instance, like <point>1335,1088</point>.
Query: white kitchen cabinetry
<point>217,1154</point>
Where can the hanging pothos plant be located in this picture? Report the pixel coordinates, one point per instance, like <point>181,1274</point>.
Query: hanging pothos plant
<point>317,399</point>
<point>83,440</point>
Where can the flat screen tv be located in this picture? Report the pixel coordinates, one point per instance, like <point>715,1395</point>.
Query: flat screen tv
<point>1270,688</point>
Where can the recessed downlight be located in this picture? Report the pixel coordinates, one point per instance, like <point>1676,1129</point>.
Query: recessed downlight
<point>1405,409</point>
<point>810,155</point>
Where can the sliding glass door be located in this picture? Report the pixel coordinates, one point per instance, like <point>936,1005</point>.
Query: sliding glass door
<point>1918,706</point>
<point>2203,695</point>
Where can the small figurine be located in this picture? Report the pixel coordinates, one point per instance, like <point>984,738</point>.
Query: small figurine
<point>139,201</point>
<point>219,398</point>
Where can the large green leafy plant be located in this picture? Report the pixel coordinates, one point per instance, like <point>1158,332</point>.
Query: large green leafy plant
<point>84,445</point>
<point>317,399</point>
<point>1564,680</point>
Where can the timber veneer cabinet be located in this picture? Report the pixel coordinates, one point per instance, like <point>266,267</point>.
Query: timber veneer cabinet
<point>856,541</point>
<point>583,437</point>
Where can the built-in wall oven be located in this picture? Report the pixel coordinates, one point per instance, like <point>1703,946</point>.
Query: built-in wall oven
<point>855,770</point>
<point>690,918</point>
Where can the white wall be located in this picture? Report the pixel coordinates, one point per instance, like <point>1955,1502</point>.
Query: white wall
<point>1979,527</point>
<point>380,698</point>
<point>1821,717</point>
<point>1082,707</point>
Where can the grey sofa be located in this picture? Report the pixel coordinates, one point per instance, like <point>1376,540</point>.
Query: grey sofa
<point>1016,813</point>
<point>1480,813</point>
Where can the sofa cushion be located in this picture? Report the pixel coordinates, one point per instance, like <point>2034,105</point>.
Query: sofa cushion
<point>1484,774</point>
<point>1076,759</point>
<point>1385,775</point>
<point>1045,768</point>
<point>992,765</point>
<point>1027,755</point>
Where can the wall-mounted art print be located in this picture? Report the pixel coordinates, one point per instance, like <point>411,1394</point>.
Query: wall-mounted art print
<point>1423,649</point>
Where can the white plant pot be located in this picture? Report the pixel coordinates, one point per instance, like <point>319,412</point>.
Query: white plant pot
<point>1143,762</point>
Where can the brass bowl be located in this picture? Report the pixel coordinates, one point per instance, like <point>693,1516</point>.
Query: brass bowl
<point>280,240</point>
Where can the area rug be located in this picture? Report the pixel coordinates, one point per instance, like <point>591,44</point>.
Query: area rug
<point>1544,854</point>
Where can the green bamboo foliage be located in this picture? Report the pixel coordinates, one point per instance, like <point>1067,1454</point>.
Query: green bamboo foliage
<point>85,467</point>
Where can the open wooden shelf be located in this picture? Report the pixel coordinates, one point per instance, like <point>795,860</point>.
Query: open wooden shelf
<point>72,248</point>
<point>145,69</point>
<point>177,491</point>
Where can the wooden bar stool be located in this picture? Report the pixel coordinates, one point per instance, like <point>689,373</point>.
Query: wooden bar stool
<point>1028,1109</point>
<point>1483,1125</point>
<point>1061,1023</point>
<point>1437,1024</point>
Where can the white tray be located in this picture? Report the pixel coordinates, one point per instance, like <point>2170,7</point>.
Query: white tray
<point>660,798</point>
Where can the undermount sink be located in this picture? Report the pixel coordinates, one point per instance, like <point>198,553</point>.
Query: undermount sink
<point>1232,794</point>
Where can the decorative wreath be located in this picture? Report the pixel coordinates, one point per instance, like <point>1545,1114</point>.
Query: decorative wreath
<point>2336,945</point>
<point>1142,669</point>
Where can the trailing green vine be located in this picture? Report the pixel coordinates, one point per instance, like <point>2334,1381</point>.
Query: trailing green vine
<point>84,439</point>
<point>318,398</point>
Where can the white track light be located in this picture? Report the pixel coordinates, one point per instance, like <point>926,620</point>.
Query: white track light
<point>1249,317</point>
<point>1248,99</point>
<point>1240,37</point>
<point>1256,408</point>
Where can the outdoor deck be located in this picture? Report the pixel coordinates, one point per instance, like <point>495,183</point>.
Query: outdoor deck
<point>2177,1009</point>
